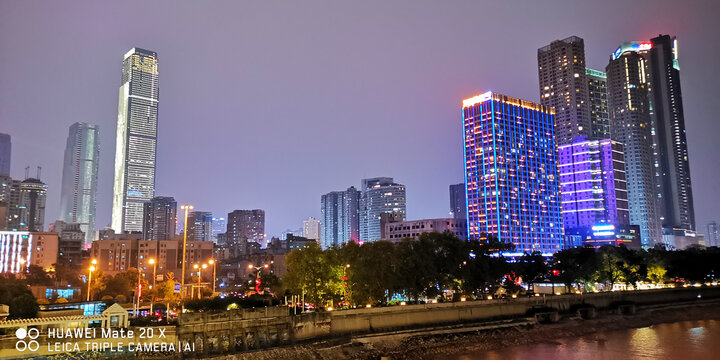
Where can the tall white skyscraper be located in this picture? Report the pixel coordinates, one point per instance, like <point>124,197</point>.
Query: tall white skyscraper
<point>80,175</point>
<point>136,141</point>
<point>311,228</point>
<point>379,196</point>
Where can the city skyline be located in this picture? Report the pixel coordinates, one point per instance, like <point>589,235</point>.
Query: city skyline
<point>436,111</point>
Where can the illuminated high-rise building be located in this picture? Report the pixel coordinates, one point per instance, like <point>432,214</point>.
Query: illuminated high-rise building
<point>712,238</point>
<point>381,195</point>
<point>597,92</point>
<point>564,86</point>
<point>136,139</point>
<point>631,125</point>
<point>80,175</point>
<point>28,207</point>
<point>219,226</point>
<point>200,226</point>
<point>160,217</point>
<point>511,172</point>
<point>245,226</point>
<point>593,187</point>
<point>672,165</point>
<point>340,218</point>
<point>5,154</point>
<point>311,229</point>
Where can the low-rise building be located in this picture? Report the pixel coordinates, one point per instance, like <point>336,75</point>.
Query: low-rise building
<point>396,231</point>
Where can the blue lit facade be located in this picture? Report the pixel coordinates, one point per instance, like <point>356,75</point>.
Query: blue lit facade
<point>511,172</point>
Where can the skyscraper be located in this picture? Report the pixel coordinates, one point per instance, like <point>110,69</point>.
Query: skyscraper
<point>458,206</point>
<point>593,185</point>
<point>200,226</point>
<point>136,139</point>
<point>631,125</point>
<point>511,172</point>
<point>340,220</point>
<point>311,229</point>
<point>245,226</point>
<point>31,205</point>
<point>564,86</point>
<point>597,92</point>
<point>219,226</point>
<point>379,196</point>
<point>80,175</point>
<point>5,154</point>
<point>713,234</point>
<point>160,216</point>
<point>669,136</point>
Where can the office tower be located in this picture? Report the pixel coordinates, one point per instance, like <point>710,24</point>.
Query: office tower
<point>31,205</point>
<point>511,172</point>
<point>669,137</point>
<point>597,92</point>
<point>200,226</point>
<point>631,125</point>
<point>458,206</point>
<point>564,86</point>
<point>713,234</point>
<point>160,216</point>
<point>80,176</point>
<point>593,185</point>
<point>340,220</point>
<point>136,139</point>
<point>379,196</point>
<point>245,226</point>
<point>311,229</point>
<point>219,226</point>
<point>5,154</point>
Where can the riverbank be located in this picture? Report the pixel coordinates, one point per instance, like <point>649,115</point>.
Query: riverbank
<point>440,346</point>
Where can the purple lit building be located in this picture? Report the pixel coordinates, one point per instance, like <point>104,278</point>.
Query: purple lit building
<point>594,190</point>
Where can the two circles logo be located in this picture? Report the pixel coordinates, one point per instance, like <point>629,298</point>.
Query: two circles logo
<point>31,344</point>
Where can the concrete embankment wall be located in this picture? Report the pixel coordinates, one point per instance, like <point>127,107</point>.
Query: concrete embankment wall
<point>258,328</point>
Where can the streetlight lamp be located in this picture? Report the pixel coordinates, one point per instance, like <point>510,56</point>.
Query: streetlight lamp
<point>184,254</point>
<point>92,268</point>
<point>152,299</point>
<point>212,262</point>
<point>345,284</point>
<point>258,269</point>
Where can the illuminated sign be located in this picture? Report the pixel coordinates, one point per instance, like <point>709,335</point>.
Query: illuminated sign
<point>477,99</point>
<point>635,46</point>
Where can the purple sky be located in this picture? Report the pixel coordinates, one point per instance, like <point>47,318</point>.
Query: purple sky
<point>269,104</point>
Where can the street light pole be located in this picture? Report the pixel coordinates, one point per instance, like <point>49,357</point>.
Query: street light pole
<point>257,275</point>
<point>92,268</point>
<point>184,255</point>
<point>152,299</point>
<point>212,262</point>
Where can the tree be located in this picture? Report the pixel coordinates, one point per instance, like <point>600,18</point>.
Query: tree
<point>656,273</point>
<point>416,268</point>
<point>531,267</point>
<point>36,275</point>
<point>310,274</point>
<point>610,270</point>
<point>18,297</point>
<point>574,265</point>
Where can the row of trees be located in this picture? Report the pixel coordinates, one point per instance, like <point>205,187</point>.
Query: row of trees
<point>377,272</point>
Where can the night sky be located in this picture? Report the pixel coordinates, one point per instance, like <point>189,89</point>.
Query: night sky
<point>269,104</point>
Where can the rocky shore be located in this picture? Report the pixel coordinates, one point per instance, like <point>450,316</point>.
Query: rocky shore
<point>442,346</point>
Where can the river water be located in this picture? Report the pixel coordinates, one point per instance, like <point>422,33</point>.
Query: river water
<point>688,340</point>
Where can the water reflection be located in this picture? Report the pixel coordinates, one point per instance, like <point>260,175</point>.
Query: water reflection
<point>682,340</point>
